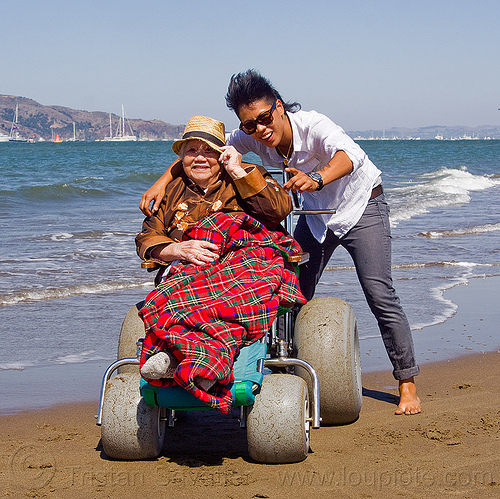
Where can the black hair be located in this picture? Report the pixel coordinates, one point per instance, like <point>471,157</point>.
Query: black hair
<point>249,86</point>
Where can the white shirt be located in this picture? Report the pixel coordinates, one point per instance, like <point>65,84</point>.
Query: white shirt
<point>316,139</point>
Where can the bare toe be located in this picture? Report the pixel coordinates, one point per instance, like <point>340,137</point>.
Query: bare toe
<point>409,403</point>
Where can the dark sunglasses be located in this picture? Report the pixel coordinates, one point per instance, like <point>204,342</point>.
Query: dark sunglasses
<point>265,118</point>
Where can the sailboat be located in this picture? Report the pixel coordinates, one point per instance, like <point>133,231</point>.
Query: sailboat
<point>121,135</point>
<point>15,136</point>
<point>74,138</point>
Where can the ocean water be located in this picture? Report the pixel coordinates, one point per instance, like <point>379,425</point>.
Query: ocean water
<point>69,214</point>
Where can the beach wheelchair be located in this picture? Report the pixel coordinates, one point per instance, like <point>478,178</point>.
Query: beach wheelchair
<point>304,372</point>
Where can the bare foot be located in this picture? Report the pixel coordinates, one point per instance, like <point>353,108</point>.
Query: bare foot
<point>409,403</point>
<point>160,365</point>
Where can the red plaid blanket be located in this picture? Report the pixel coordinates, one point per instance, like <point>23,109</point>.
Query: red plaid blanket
<point>204,315</point>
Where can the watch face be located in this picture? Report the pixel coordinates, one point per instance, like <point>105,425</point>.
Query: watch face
<point>317,178</point>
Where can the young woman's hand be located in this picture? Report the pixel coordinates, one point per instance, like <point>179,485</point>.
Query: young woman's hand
<point>157,190</point>
<point>154,193</point>
<point>300,182</point>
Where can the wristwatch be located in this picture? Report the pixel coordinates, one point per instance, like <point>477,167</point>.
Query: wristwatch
<point>317,178</point>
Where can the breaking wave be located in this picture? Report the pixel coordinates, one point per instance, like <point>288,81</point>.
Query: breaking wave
<point>444,187</point>
<point>57,293</point>
<point>478,229</point>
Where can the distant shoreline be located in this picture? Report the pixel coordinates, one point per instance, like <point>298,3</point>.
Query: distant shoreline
<point>356,138</point>
<point>37,120</point>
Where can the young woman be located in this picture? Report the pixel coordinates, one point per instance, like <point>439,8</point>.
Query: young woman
<point>332,172</point>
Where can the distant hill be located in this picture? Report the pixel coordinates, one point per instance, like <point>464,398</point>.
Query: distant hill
<point>36,120</point>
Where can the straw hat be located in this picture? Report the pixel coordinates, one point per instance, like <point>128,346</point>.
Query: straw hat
<point>203,128</point>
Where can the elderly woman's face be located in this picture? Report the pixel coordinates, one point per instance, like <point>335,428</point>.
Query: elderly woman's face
<point>200,162</point>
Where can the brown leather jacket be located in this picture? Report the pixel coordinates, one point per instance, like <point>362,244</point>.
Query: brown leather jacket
<point>184,204</point>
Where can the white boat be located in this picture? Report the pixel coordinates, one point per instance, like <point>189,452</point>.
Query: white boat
<point>73,139</point>
<point>4,138</point>
<point>121,134</point>
<point>15,136</point>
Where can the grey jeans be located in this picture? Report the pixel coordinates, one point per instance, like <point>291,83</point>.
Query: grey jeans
<point>369,244</point>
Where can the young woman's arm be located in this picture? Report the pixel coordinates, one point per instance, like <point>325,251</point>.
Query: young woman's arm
<point>339,166</point>
<point>157,190</point>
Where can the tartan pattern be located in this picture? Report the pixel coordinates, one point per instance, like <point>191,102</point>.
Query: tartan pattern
<point>205,314</point>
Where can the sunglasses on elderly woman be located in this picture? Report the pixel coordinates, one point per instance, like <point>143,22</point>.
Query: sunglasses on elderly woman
<point>265,118</point>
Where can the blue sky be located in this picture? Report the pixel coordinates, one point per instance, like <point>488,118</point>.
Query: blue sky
<point>366,64</point>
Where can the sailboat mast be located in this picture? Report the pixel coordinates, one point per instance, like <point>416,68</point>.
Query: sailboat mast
<point>123,121</point>
<point>110,127</point>
<point>14,121</point>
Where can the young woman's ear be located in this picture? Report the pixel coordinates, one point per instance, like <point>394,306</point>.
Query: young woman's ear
<point>280,107</point>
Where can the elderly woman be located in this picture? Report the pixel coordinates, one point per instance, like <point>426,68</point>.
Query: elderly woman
<point>218,227</point>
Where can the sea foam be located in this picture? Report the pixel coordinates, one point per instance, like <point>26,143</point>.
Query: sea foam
<point>478,229</point>
<point>444,187</point>
<point>65,292</point>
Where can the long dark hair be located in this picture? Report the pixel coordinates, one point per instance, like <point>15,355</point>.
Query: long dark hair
<point>249,86</point>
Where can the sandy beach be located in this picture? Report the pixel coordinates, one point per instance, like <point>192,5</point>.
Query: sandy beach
<point>450,450</point>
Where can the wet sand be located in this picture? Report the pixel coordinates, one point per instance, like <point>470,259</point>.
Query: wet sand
<point>452,449</point>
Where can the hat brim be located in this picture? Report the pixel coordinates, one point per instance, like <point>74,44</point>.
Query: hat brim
<point>176,146</point>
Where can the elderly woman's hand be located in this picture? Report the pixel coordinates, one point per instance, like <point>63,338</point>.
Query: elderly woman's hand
<point>193,251</point>
<point>231,161</point>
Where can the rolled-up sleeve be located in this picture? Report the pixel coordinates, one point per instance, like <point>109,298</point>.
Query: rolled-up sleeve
<point>330,137</point>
